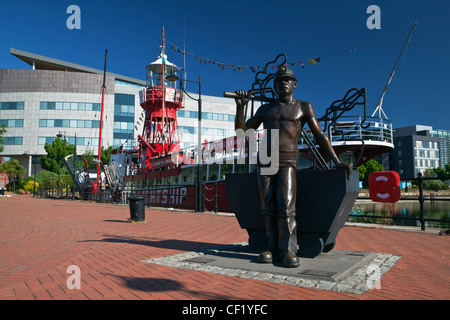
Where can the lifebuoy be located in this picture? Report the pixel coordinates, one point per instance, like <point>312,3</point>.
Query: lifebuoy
<point>384,186</point>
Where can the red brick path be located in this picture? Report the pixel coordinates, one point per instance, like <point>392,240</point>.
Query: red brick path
<point>40,238</point>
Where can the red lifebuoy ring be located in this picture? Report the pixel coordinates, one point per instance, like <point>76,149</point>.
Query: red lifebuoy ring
<point>384,186</point>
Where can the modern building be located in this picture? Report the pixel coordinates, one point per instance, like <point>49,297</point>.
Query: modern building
<point>418,148</point>
<point>58,97</point>
<point>444,145</point>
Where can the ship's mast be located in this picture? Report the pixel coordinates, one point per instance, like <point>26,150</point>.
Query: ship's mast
<point>101,122</point>
<point>163,91</point>
<point>380,101</point>
<point>160,101</point>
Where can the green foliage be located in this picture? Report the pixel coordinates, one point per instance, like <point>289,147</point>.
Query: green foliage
<point>106,155</point>
<point>88,155</point>
<point>50,179</point>
<point>429,173</point>
<point>2,132</point>
<point>92,159</point>
<point>367,168</point>
<point>13,170</point>
<point>435,185</point>
<point>362,170</point>
<point>44,176</point>
<point>443,173</point>
<point>54,159</point>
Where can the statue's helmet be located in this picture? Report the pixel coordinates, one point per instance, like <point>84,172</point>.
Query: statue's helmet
<point>284,72</point>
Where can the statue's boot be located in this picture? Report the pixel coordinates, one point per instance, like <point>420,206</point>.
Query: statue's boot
<point>271,254</point>
<point>287,233</point>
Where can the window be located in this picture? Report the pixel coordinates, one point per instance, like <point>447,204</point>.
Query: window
<point>124,99</point>
<point>12,123</point>
<point>12,105</point>
<point>67,123</point>
<point>75,106</point>
<point>13,141</point>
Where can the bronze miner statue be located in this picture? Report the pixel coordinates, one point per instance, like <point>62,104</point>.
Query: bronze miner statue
<point>278,191</point>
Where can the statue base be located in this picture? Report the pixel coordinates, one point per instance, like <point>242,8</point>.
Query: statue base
<point>325,198</point>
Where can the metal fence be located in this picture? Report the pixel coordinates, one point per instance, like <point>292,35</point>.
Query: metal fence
<point>212,202</point>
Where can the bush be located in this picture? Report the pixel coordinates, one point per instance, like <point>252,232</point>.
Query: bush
<point>45,178</point>
<point>29,186</point>
<point>435,185</point>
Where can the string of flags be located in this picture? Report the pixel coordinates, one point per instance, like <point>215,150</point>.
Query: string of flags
<point>224,66</point>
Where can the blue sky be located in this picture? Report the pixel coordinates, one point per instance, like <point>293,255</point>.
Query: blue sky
<point>251,33</point>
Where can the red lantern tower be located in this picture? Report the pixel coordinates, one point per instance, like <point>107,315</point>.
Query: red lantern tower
<point>161,100</point>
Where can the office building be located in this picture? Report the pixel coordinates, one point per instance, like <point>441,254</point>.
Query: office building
<point>417,148</point>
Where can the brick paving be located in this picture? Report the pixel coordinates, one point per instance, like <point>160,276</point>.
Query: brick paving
<point>41,238</point>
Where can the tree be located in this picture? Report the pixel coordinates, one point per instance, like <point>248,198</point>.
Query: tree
<point>13,170</point>
<point>367,168</point>
<point>2,132</point>
<point>106,155</point>
<point>92,159</point>
<point>440,172</point>
<point>54,159</point>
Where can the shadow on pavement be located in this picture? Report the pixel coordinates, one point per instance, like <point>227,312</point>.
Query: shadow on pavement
<point>167,286</point>
<point>174,244</point>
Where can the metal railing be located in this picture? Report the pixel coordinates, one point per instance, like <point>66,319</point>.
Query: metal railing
<point>212,199</point>
<point>349,128</point>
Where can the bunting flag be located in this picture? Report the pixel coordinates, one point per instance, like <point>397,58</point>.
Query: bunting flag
<point>224,66</point>
<point>255,69</point>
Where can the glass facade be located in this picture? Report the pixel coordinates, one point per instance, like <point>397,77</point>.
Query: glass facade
<point>426,155</point>
<point>81,106</point>
<point>124,106</point>
<point>207,131</point>
<point>68,123</point>
<point>81,141</point>
<point>444,144</point>
<point>206,115</point>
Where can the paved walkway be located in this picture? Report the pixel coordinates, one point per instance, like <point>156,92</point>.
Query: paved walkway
<point>41,238</point>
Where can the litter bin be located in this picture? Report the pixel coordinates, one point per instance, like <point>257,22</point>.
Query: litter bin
<point>137,208</point>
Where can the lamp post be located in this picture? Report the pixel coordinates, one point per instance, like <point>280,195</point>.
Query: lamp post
<point>173,78</point>
<point>59,135</point>
<point>34,183</point>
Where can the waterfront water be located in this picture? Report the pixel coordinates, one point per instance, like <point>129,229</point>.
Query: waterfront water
<point>438,210</point>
